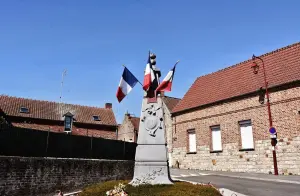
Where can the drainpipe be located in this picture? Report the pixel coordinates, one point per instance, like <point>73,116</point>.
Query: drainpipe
<point>117,133</point>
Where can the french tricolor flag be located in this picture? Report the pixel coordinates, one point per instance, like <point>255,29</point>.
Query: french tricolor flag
<point>127,82</point>
<point>149,75</point>
<point>166,84</point>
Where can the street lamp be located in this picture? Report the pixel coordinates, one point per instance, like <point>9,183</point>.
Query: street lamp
<point>255,67</point>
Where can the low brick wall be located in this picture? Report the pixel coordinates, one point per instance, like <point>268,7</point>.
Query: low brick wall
<point>43,176</point>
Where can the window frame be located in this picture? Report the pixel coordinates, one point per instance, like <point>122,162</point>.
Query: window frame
<point>96,118</point>
<point>69,129</point>
<point>245,122</point>
<point>24,108</point>
<point>191,131</point>
<point>211,139</point>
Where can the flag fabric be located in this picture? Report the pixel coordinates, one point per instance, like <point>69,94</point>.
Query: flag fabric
<point>127,82</point>
<point>149,75</point>
<point>166,84</point>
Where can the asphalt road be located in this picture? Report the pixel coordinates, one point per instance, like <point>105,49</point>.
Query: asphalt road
<point>248,186</point>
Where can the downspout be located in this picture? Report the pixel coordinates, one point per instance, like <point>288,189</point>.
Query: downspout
<point>117,132</point>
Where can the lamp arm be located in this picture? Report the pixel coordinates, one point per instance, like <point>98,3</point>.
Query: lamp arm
<point>256,57</point>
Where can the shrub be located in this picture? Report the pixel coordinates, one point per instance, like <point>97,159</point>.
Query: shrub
<point>178,189</point>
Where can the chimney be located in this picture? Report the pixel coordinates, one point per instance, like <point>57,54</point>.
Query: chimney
<point>162,93</point>
<point>108,105</point>
<point>127,115</point>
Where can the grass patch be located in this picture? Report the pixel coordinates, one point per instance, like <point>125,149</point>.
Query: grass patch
<point>178,189</point>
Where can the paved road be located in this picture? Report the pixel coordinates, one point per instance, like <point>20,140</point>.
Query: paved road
<point>250,187</point>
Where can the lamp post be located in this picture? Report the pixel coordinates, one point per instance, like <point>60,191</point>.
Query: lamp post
<point>272,130</point>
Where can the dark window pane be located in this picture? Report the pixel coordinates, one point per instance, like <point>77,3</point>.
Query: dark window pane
<point>96,118</point>
<point>68,122</point>
<point>24,110</point>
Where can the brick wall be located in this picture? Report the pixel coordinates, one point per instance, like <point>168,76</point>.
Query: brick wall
<point>168,132</point>
<point>126,130</point>
<point>107,133</point>
<point>77,129</point>
<point>285,105</point>
<point>43,176</point>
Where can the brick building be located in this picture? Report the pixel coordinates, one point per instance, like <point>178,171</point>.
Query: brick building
<point>128,130</point>
<point>222,121</point>
<point>59,117</point>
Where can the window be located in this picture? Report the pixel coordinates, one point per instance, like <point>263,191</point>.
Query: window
<point>216,138</point>
<point>246,135</point>
<point>24,110</point>
<point>68,123</point>
<point>96,118</point>
<point>192,141</point>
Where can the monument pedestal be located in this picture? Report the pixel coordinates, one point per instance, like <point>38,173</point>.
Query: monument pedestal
<point>151,164</point>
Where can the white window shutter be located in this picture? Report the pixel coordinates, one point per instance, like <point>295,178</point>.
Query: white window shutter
<point>247,136</point>
<point>216,139</point>
<point>192,142</point>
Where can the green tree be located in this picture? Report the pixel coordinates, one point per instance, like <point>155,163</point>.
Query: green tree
<point>3,121</point>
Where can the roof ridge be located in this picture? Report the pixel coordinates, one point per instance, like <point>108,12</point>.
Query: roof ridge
<point>47,101</point>
<point>246,84</point>
<point>263,55</point>
<point>171,97</point>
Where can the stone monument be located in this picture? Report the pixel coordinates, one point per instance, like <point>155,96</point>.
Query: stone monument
<point>151,164</point>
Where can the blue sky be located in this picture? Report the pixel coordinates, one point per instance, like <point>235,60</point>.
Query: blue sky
<point>92,39</point>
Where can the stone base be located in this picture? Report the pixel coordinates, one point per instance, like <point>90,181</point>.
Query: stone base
<point>151,164</point>
<point>151,173</point>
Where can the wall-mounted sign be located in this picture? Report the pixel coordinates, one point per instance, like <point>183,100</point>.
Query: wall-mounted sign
<point>272,130</point>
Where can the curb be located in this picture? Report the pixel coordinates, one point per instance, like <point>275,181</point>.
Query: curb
<point>227,192</point>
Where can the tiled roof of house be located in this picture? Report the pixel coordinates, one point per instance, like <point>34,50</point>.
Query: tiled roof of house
<point>135,122</point>
<point>39,127</point>
<point>282,66</point>
<point>170,102</point>
<point>54,111</point>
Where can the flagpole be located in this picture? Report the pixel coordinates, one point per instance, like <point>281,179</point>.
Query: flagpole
<point>137,79</point>
<point>175,67</point>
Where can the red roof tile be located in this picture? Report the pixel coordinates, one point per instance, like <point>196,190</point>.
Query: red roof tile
<point>170,102</point>
<point>35,126</point>
<point>282,66</point>
<point>54,111</point>
<point>135,122</point>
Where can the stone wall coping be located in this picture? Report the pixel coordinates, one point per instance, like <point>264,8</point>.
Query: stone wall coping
<point>56,158</point>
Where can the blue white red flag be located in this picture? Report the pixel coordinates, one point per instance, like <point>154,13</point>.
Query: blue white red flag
<point>127,82</point>
<point>149,75</point>
<point>166,84</point>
